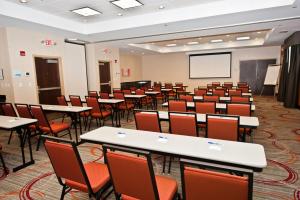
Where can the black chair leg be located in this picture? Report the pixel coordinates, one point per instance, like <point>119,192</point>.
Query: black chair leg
<point>90,123</point>
<point>164,164</point>
<point>69,132</point>
<point>11,132</point>
<point>3,164</point>
<point>170,163</point>
<point>38,143</point>
<point>63,192</point>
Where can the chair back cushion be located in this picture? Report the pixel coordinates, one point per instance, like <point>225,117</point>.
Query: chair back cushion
<point>38,114</point>
<point>205,107</point>
<point>188,98</point>
<point>75,100</point>
<point>235,92</point>
<point>61,100</point>
<point>8,109</point>
<point>214,185</point>
<point>140,92</point>
<point>183,124</point>
<point>23,110</point>
<point>104,95</point>
<point>93,102</point>
<point>64,161</point>
<point>211,98</point>
<point>93,93</point>
<point>223,128</point>
<point>200,92</point>
<point>177,106</point>
<point>237,99</point>
<point>147,121</point>
<point>239,109</point>
<point>119,95</point>
<point>130,176</point>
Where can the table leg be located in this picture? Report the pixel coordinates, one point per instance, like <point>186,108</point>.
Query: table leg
<point>24,163</point>
<point>75,126</point>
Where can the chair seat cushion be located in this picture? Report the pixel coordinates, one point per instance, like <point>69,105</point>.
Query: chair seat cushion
<point>84,114</point>
<point>97,174</point>
<point>167,189</point>
<point>124,107</point>
<point>56,127</point>
<point>105,114</point>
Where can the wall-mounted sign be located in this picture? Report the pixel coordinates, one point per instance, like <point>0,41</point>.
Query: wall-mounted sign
<point>48,42</point>
<point>125,72</point>
<point>22,53</point>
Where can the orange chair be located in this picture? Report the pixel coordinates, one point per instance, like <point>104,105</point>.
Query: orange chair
<point>245,89</point>
<point>239,99</point>
<point>236,92</point>
<point>117,90</point>
<point>133,177</point>
<point>200,92</point>
<point>104,95</point>
<point>147,120</point>
<point>241,110</point>
<point>242,84</point>
<point>223,127</point>
<point>24,111</point>
<point>76,101</point>
<point>8,110</point>
<point>211,98</point>
<point>96,112</point>
<point>205,107</point>
<point>171,93</point>
<point>126,91</point>
<point>215,84</point>
<point>183,123</point>
<point>93,94</point>
<point>61,100</point>
<point>169,85</point>
<point>188,98</point>
<point>92,178</point>
<point>204,183</point>
<point>218,92</point>
<point>179,84</point>
<point>46,127</point>
<point>228,85</point>
<point>126,105</point>
<point>177,105</point>
<point>144,101</point>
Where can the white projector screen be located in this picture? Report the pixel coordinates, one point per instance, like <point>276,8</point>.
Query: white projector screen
<point>214,65</point>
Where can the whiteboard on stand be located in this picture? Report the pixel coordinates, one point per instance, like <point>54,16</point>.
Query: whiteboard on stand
<point>272,75</point>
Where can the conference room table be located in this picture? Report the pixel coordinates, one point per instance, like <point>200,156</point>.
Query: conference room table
<point>72,111</point>
<point>219,106</point>
<point>222,99</point>
<point>245,121</point>
<point>134,97</point>
<point>247,94</point>
<point>248,156</point>
<point>17,124</point>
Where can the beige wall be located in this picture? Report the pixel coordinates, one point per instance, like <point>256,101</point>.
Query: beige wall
<point>96,53</point>
<point>134,63</point>
<point>6,87</point>
<point>174,67</point>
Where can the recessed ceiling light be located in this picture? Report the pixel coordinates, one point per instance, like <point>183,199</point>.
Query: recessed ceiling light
<point>120,14</point>
<point>258,32</point>
<point>124,4</point>
<point>171,45</point>
<point>23,1</point>
<point>243,38</point>
<point>86,11</point>
<point>227,35</point>
<point>192,43</point>
<point>216,41</point>
<point>199,38</point>
<point>72,39</point>
<point>161,7</point>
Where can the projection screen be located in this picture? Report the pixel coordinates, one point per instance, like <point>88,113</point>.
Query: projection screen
<point>213,65</point>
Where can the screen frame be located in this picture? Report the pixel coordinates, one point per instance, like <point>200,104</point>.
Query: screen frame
<point>208,54</point>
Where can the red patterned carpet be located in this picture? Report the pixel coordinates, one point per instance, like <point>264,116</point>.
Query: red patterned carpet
<point>279,133</point>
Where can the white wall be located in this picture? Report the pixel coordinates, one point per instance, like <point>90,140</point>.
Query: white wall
<point>96,53</point>
<point>134,63</point>
<point>174,67</point>
<point>6,87</point>
<point>25,87</point>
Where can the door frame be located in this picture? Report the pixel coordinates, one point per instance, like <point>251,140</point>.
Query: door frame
<point>110,73</point>
<point>59,69</point>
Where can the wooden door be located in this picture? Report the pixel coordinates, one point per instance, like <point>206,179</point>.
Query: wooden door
<point>48,80</point>
<point>104,74</point>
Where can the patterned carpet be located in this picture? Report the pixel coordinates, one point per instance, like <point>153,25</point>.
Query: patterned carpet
<point>279,133</point>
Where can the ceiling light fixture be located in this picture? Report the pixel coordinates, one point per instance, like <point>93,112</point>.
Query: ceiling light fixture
<point>23,1</point>
<point>86,11</point>
<point>192,43</point>
<point>216,41</point>
<point>120,14</point>
<point>72,39</point>
<point>243,38</point>
<point>161,7</point>
<point>258,32</point>
<point>171,45</point>
<point>125,4</point>
<point>227,35</point>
